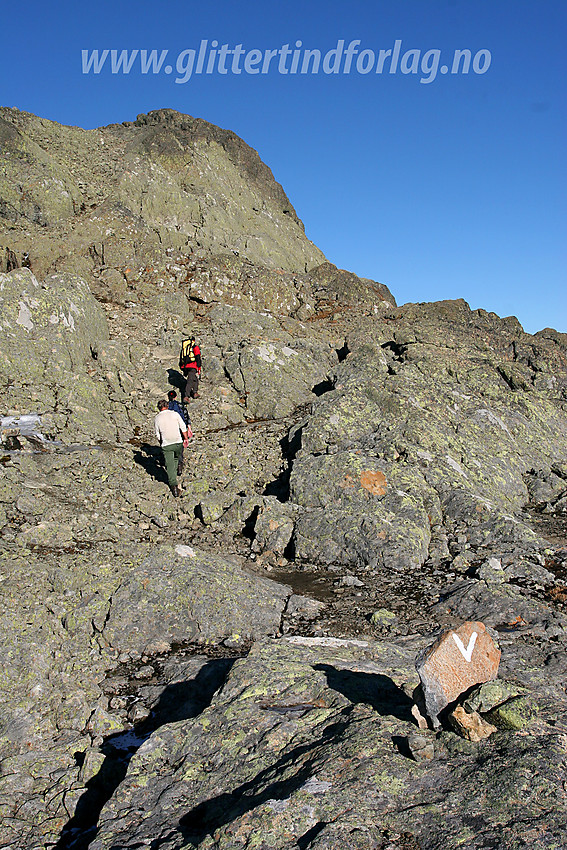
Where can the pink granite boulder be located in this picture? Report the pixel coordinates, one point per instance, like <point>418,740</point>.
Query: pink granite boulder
<point>459,659</point>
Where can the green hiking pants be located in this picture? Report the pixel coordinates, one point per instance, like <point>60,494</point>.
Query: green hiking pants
<point>171,456</point>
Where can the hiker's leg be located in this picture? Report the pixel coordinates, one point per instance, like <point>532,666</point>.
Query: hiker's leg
<point>192,384</point>
<point>169,453</point>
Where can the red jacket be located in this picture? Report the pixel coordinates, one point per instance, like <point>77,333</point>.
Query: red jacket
<point>196,363</point>
<point>190,356</point>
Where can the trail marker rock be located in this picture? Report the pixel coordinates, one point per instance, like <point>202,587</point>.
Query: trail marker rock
<point>458,659</point>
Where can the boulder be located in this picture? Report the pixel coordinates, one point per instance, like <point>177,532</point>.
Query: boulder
<point>356,509</point>
<point>458,660</point>
<point>274,525</point>
<point>190,596</point>
<point>470,725</point>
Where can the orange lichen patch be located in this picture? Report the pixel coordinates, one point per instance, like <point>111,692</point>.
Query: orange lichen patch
<point>519,621</point>
<point>374,482</point>
<point>348,481</point>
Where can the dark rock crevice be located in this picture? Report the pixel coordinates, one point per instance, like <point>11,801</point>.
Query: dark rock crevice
<point>280,486</point>
<point>248,528</point>
<point>325,386</point>
<point>179,701</point>
<point>343,352</point>
<point>397,349</point>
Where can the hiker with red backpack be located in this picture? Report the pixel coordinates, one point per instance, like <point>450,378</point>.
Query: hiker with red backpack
<point>190,365</point>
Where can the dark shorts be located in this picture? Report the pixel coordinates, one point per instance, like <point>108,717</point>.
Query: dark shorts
<point>192,385</point>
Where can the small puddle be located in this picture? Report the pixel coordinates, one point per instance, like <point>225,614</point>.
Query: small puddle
<point>305,583</point>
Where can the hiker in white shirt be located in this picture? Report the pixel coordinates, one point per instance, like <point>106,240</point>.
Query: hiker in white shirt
<point>172,434</point>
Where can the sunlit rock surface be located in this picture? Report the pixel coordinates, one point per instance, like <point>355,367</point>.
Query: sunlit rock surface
<point>236,667</point>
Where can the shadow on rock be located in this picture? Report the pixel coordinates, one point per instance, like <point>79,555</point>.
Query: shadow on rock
<point>176,379</point>
<point>179,701</point>
<point>269,784</point>
<point>374,689</point>
<point>279,487</point>
<point>151,458</point>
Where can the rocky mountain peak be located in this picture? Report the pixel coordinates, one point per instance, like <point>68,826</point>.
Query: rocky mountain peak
<point>165,181</point>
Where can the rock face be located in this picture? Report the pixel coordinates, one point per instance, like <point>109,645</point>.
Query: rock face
<point>208,600</point>
<point>120,196</point>
<point>51,331</point>
<point>236,667</point>
<point>457,660</point>
<point>305,731</point>
<point>442,425</point>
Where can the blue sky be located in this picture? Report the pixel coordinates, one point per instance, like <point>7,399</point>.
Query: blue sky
<point>443,189</point>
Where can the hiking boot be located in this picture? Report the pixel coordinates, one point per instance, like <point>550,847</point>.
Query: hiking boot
<point>175,491</point>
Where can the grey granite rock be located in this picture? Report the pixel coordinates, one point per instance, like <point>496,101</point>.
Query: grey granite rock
<point>187,595</point>
<point>417,451</point>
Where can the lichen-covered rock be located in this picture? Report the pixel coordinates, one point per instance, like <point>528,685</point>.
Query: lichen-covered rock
<point>48,329</point>
<point>174,598</point>
<point>273,370</point>
<point>441,423</point>
<point>306,734</point>
<point>501,606</point>
<point>164,181</point>
<point>360,510</point>
<point>50,332</point>
<point>274,525</point>
<point>513,714</point>
<point>490,694</point>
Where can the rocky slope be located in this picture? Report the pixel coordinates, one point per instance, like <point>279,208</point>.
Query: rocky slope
<point>118,197</point>
<point>235,668</point>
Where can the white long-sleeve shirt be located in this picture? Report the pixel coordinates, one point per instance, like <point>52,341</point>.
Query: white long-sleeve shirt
<point>170,427</point>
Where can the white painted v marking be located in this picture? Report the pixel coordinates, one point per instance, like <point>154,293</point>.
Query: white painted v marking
<point>466,653</point>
